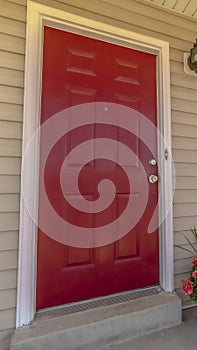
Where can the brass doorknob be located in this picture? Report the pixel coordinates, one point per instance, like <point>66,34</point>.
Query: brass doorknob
<point>153,178</point>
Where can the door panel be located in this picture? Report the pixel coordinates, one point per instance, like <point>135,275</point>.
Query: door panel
<point>78,70</point>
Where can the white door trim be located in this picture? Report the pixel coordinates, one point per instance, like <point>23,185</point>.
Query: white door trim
<point>38,15</point>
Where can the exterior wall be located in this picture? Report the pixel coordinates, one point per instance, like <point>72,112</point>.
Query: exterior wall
<point>12,48</point>
<point>128,14</point>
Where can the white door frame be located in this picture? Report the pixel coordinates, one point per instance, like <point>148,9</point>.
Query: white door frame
<point>38,15</point>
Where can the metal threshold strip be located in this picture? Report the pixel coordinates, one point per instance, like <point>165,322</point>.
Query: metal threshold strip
<point>81,306</point>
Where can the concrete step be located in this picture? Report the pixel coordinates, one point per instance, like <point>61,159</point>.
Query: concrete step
<point>180,337</point>
<point>97,328</point>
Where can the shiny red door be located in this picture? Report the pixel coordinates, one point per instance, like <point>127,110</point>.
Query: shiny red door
<point>79,70</point>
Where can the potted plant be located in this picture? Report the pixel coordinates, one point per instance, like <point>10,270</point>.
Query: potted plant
<point>189,285</point>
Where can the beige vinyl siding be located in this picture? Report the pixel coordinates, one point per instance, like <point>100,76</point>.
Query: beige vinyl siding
<point>11,27</point>
<point>10,130</point>
<point>182,196</point>
<point>8,279</point>
<point>12,49</point>
<point>11,112</point>
<point>10,94</point>
<point>9,203</point>
<point>132,15</point>
<point>12,43</point>
<point>10,148</point>
<point>13,10</point>
<point>12,61</point>
<point>9,184</point>
<point>11,77</point>
<point>9,239</point>
<point>10,166</point>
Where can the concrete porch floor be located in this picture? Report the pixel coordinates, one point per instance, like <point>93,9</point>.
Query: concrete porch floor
<point>181,337</point>
<point>97,328</point>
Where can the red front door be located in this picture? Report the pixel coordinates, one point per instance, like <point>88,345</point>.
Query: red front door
<point>78,70</point>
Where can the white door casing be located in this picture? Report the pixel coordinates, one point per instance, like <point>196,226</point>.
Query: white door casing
<point>39,15</point>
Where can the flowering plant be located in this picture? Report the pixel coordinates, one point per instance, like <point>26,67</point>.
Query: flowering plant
<point>189,285</point>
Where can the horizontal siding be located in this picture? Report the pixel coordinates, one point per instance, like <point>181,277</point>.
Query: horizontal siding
<point>12,61</point>
<point>10,166</point>
<point>181,79</point>
<point>182,254</point>
<point>9,222</point>
<point>8,279</point>
<point>13,10</point>
<point>184,224</point>
<point>184,144</point>
<point>10,130</point>
<point>128,14</point>
<point>185,196</point>
<point>12,27</point>
<point>11,112</point>
<point>12,44</point>
<point>183,105</point>
<point>7,299</point>
<point>19,2</point>
<point>9,240</point>
<point>10,147</point>
<point>9,203</point>
<point>185,209</point>
<point>182,130</point>
<point>12,39</point>
<point>186,169</point>
<point>176,55</point>
<point>8,260</point>
<point>11,77</point>
<point>184,93</point>
<point>182,265</point>
<point>176,67</point>
<point>184,156</point>
<point>183,183</point>
<point>185,118</point>
<point>9,184</point>
<point>179,237</point>
<point>11,94</point>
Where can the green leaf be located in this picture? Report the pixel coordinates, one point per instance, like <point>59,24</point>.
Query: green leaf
<point>191,244</point>
<point>194,248</point>
<point>187,250</point>
<point>194,231</point>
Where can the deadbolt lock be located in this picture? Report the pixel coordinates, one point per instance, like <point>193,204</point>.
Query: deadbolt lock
<point>152,162</point>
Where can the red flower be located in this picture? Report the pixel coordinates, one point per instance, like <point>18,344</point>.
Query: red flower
<point>194,274</point>
<point>187,286</point>
<point>194,262</point>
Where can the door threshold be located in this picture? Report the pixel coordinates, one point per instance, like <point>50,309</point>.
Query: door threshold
<point>80,306</point>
